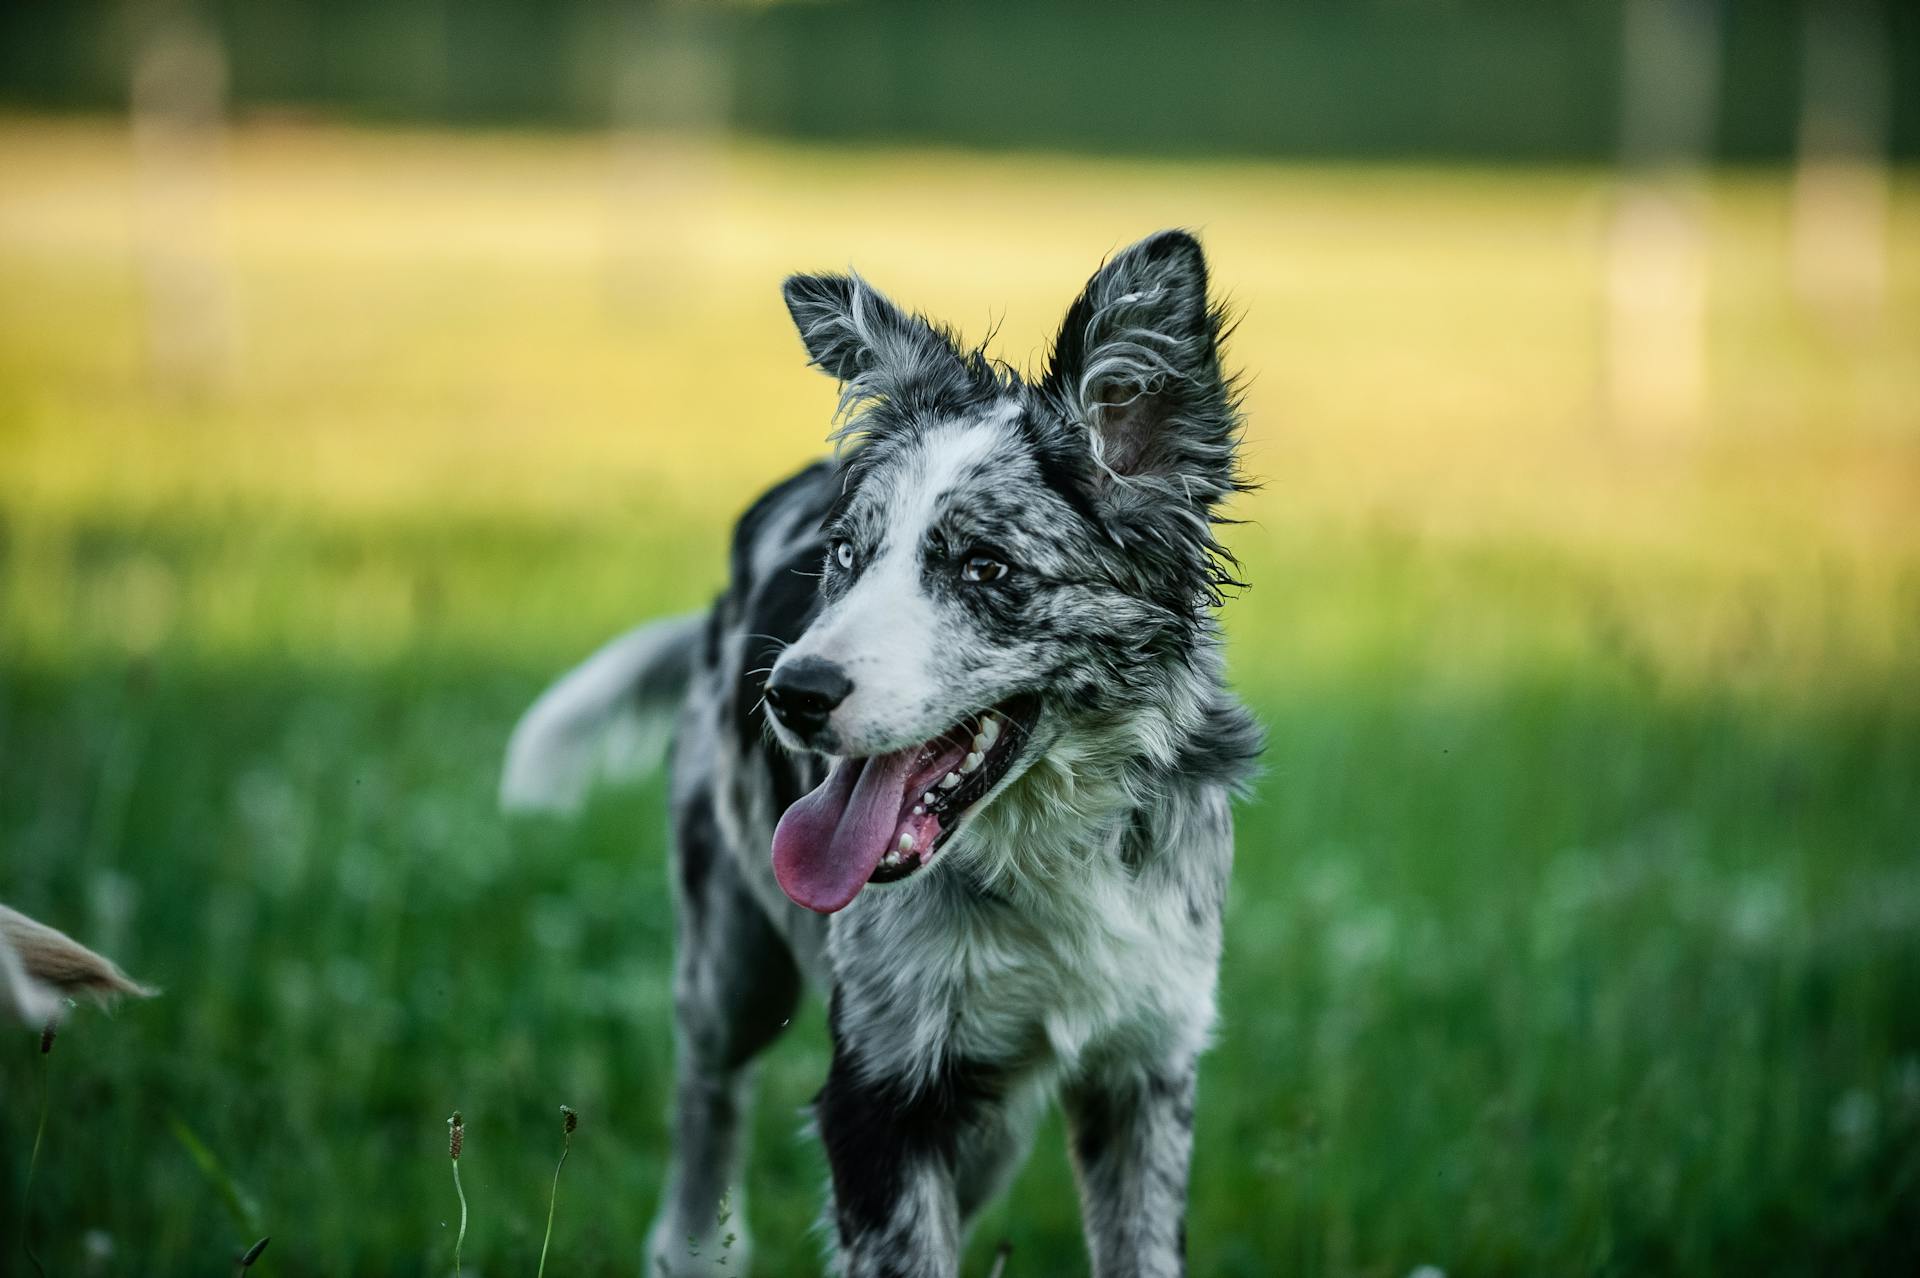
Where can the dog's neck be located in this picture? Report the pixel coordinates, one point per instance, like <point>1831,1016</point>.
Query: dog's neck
<point>1077,804</point>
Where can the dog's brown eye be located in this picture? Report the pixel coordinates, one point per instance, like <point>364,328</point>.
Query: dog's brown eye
<point>982,568</point>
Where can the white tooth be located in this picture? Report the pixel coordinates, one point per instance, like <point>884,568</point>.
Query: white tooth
<point>927,798</point>
<point>950,780</point>
<point>980,744</point>
<point>906,841</point>
<point>891,860</point>
<point>971,762</point>
<point>919,809</point>
<point>989,730</point>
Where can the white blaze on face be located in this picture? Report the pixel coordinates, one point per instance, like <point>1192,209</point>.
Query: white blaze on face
<point>885,632</point>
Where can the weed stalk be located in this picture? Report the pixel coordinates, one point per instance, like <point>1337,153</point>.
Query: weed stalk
<point>456,1136</point>
<point>33,1159</point>
<point>568,1121</point>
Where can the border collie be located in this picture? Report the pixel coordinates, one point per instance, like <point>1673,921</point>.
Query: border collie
<point>954,747</point>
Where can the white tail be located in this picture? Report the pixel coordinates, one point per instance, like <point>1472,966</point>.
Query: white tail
<point>40,968</point>
<point>607,719</point>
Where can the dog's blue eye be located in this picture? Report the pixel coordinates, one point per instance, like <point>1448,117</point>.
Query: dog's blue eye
<point>982,568</point>
<point>843,554</point>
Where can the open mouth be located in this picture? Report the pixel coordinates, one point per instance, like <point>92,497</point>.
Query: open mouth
<point>880,819</point>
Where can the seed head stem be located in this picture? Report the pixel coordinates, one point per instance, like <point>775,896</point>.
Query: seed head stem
<point>33,1159</point>
<point>456,1137</point>
<point>568,1121</point>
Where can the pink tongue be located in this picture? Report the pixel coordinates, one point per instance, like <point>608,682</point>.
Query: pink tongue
<point>828,844</point>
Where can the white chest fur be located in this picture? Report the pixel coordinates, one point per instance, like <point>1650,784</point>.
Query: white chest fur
<point>1100,961</point>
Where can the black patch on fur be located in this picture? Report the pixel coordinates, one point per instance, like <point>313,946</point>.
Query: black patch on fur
<point>697,847</point>
<point>762,1010</point>
<point>774,610</point>
<point>777,611</point>
<point>1065,467</point>
<point>1097,1112</point>
<point>801,489</point>
<point>875,1133</point>
<point>728,949</point>
<point>1092,1123</point>
<point>1177,1092</point>
<point>782,608</point>
<point>1226,749</point>
<point>716,629</point>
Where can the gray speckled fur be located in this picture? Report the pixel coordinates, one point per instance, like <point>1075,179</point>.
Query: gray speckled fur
<point>1064,941</point>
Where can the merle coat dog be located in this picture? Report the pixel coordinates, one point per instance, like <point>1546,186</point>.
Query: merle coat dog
<point>955,748</point>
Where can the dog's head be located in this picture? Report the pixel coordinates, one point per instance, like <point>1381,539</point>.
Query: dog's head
<point>1015,568</point>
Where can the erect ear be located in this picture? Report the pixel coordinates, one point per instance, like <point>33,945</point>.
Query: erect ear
<point>1137,362</point>
<point>855,334</point>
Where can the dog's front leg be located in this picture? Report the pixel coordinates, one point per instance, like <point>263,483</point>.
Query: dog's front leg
<point>1132,1138</point>
<point>893,1143</point>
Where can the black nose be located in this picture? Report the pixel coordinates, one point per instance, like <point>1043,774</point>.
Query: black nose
<point>803,693</point>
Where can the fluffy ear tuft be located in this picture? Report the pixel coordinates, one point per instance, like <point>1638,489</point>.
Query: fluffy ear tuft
<point>1137,362</point>
<point>862,340</point>
<point>822,308</point>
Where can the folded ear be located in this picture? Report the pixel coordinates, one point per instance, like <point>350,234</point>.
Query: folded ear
<point>1137,362</point>
<point>856,335</point>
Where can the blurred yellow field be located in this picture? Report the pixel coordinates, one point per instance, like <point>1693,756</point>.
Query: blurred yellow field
<point>584,328</point>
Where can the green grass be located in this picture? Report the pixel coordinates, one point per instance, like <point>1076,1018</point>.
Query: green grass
<point>1576,927</point>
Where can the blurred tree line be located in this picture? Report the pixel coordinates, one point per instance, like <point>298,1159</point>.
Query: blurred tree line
<point>1523,80</point>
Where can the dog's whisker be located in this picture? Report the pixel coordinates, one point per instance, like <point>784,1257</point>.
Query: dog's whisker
<point>959,741</point>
